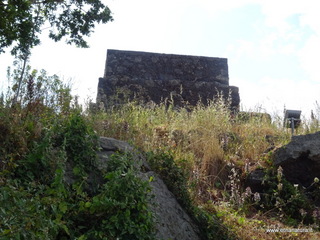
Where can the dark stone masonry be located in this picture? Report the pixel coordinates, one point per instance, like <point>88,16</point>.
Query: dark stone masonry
<point>157,77</point>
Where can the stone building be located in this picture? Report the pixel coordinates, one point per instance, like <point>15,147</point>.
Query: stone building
<point>178,79</point>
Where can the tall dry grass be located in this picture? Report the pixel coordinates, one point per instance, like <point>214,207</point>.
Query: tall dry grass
<point>207,138</point>
<point>211,143</point>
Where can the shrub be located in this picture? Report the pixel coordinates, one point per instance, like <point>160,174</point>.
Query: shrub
<point>54,211</point>
<point>120,210</point>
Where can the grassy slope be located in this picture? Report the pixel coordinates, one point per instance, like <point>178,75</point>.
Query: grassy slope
<point>211,142</point>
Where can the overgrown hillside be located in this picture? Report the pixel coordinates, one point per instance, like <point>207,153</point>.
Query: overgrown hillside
<point>48,149</point>
<point>218,149</point>
<point>204,154</point>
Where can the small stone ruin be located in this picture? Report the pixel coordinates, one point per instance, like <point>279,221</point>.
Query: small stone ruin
<point>153,77</point>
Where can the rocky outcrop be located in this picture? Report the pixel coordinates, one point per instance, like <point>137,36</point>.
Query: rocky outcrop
<point>300,159</point>
<point>183,80</point>
<point>172,222</point>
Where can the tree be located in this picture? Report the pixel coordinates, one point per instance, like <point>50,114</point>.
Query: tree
<point>22,21</point>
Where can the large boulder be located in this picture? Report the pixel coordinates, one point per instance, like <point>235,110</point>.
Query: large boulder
<point>300,159</point>
<point>172,221</point>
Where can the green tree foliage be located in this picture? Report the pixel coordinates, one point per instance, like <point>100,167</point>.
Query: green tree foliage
<point>21,22</point>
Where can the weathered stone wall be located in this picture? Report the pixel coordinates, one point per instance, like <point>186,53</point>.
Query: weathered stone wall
<point>156,77</point>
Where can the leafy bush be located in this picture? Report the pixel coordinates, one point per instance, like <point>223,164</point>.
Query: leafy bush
<point>26,213</point>
<point>120,210</point>
<point>54,211</point>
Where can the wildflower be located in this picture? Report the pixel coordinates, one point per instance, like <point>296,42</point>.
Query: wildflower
<point>302,212</point>
<point>279,173</point>
<point>315,213</point>
<point>316,180</point>
<point>246,166</point>
<point>256,197</point>
<point>248,192</point>
<point>280,185</point>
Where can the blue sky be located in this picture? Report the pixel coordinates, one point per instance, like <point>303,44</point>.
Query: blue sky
<point>272,46</point>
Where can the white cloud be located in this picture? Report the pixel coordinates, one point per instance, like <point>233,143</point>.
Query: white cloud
<point>267,46</point>
<point>279,14</point>
<point>310,15</point>
<point>244,48</point>
<point>310,58</point>
<point>289,49</point>
<point>271,95</point>
<point>226,5</point>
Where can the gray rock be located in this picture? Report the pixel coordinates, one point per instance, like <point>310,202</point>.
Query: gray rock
<point>111,144</point>
<point>172,222</point>
<point>300,159</point>
<point>254,180</point>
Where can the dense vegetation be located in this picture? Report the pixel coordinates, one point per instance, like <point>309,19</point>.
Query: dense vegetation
<point>48,147</point>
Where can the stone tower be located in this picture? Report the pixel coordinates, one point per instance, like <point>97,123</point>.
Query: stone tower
<point>179,79</point>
